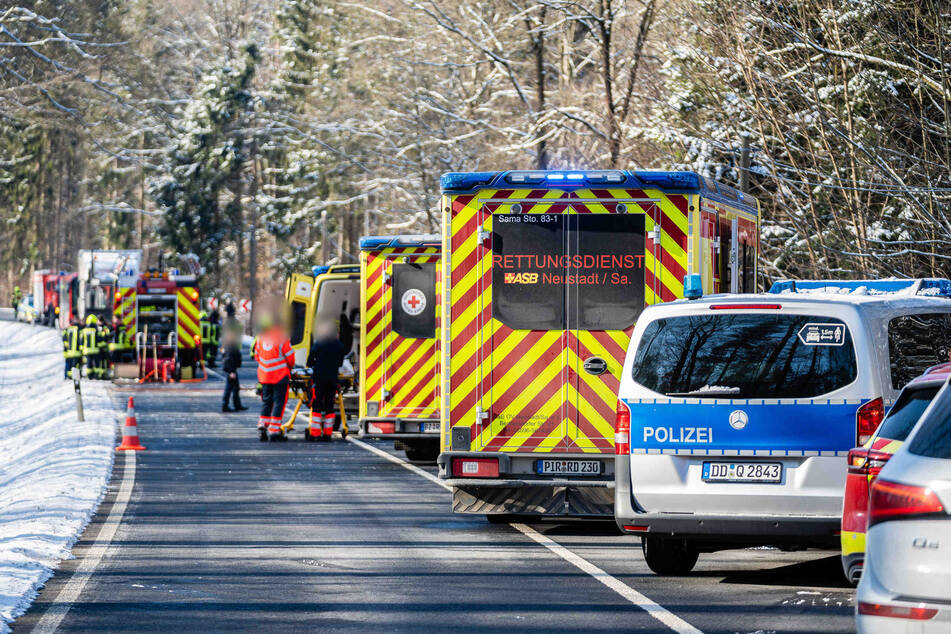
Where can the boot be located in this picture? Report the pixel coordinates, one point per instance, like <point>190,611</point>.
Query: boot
<point>225,408</point>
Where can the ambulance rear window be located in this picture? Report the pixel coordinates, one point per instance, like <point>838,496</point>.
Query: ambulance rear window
<point>557,271</point>
<point>414,300</point>
<point>734,355</point>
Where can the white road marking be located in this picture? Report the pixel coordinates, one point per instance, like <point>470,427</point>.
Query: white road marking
<point>68,595</point>
<point>660,613</point>
<point>399,461</point>
<point>655,610</point>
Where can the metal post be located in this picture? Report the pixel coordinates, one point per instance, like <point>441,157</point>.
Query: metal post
<point>74,373</point>
<point>745,162</point>
<point>324,256</point>
<point>253,258</point>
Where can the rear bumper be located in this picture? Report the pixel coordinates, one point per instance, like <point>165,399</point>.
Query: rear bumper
<point>403,428</point>
<point>738,530</point>
<point>519,491</point>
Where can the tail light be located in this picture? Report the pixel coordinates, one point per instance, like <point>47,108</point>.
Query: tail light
<point>867,419</point>
<point>897,611</point>
<point>867,462</point>
<point>894,501</point>
<point>622,429</point>
<point>475,467</point>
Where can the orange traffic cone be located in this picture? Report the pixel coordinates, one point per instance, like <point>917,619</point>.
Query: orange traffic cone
<point>130,433</point>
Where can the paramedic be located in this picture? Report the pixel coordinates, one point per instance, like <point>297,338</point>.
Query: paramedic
<point>325,358</point>
<point>275,359</point>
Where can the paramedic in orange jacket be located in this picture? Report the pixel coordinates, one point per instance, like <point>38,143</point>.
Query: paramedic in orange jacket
<point>275,360</point>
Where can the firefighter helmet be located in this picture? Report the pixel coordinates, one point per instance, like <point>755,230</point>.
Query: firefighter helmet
<point>91,320</point>
<point>202,315</point>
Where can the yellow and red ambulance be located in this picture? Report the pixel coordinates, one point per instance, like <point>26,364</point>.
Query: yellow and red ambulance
<point>399,328</point>
<point>329,293</point>
<point>544,275</point>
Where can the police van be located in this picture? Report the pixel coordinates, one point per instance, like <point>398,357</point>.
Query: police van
<point>399,290</point>
<point>736,413</point>
<point>546,274</point>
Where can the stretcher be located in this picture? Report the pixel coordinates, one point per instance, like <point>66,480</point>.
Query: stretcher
<point>301,386</point>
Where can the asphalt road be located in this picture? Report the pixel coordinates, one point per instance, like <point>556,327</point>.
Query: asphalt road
<point>222,532</point>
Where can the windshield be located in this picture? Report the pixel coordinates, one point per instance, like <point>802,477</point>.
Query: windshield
<point>933,438</point>
<point>745,356</point>
<point>906,411</point>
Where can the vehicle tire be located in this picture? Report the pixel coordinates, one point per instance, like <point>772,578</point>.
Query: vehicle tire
<point>421,451</point>
<point>667,556</point>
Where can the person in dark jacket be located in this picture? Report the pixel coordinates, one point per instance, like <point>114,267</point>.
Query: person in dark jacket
<point>324,360</point>
<point>230,362</point>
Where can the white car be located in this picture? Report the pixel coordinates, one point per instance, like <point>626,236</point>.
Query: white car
<point>736,413</point>
<point>906,585</point>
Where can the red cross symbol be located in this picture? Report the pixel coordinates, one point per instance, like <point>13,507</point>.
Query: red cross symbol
<point>413,302</point>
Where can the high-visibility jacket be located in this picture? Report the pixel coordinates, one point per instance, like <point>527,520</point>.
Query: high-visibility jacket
<point>207,333</point>
<point>274,356</point>
<point>71,342</point>
<point>103,336</point>
<point>89,336</point>
<point>120,340</point>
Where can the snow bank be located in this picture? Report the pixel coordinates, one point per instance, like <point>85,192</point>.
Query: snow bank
<point>53,469</point>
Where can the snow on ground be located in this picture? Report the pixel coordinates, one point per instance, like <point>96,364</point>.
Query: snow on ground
<point>53,469</point>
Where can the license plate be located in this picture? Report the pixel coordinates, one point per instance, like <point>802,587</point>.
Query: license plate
<point>742,472</point>
<point>568,467</point>
<point>431,427</point>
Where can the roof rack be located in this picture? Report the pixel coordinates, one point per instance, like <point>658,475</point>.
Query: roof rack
<point>372,243</point>
<point>925,286</point>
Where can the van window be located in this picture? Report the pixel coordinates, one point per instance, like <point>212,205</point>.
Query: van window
<point>298,318</point>
<point>915,343</point>
<point>906,411</point>
<point>933,438</point>
<point>414,300</point>
<point>745,356</point>
<point>557,271</point>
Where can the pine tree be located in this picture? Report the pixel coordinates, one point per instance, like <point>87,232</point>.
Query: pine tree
<point>205,160</point>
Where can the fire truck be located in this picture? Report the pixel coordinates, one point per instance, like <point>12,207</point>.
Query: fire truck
<point>399,342</point>
<point>46,295</point>
<point>99,274</point>
<point>160,313</point>
<point>545,274</point>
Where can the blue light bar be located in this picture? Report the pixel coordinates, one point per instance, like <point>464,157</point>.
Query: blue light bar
<point>693,286</point>
<point>463,181</point>
<point>932,286</point>
<point>375,243</point>
<point>319,269</point>
<point>670,180</point>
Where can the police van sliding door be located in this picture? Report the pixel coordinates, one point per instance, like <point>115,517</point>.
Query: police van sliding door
<point>408,364</point>
<point>605,294</point>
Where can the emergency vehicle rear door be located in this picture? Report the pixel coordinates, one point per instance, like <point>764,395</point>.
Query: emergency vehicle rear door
<point>409,348</point>
<point>605,293</point>
<point>523,390</point>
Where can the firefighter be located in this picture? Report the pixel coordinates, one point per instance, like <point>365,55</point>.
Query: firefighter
<point>103,337</point>
<point>119,344</point>
<point>214,318</point>
<point>275,359</point>
<point>72,351</point>
<point>324,359</point>
<point>17,297</point>
<point>207,338</point>
<point>90,347</point>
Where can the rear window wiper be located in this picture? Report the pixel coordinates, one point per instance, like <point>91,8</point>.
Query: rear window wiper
<point>706,391</point>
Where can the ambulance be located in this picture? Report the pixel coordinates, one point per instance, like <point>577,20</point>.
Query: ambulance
<point>399,327</point>
<point>545,274</point>
<point>328,293</point>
